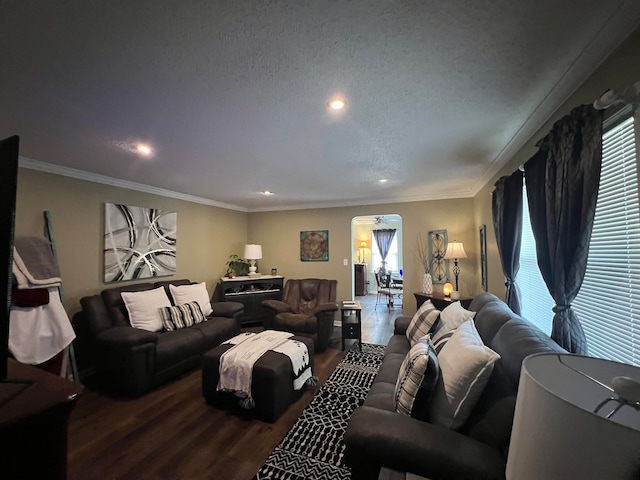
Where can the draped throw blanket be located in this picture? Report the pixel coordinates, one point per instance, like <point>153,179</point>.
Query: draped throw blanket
<point>236,364</point>
<point>507,223</point>
<point>37,334</point>
<point>33,263</point>
<point>562,188</point>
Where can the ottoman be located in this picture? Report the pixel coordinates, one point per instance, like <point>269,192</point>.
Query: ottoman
<point>271,382</point>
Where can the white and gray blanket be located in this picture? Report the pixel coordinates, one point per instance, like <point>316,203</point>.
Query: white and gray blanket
<point>236,364</point>
<point>33,263</point>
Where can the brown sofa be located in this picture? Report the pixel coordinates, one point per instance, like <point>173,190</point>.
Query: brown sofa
<point>132,361</point>
<point>307,309</point>
<point>378,436</point>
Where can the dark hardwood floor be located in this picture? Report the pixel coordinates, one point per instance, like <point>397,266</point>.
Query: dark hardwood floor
<point>171,433</point>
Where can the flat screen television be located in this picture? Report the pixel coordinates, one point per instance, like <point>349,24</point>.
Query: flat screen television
<point>8,185</point>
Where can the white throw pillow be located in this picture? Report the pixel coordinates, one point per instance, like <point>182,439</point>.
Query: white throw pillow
<point>422,322</point>
<point>143,308</point>
<point>192,293</point>
<point>451,318</point>
<point>465,367</point>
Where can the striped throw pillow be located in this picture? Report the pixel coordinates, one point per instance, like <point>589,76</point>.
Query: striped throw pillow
<point>422,321</point>
<point>417,380</point>
<point>181,316</point>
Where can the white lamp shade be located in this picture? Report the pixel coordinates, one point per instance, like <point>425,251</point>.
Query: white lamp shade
<point>455,250</point>
<point>253,252</point>
<point>556,432</point>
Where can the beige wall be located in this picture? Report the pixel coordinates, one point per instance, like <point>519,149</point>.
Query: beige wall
<point>206,235</point>
<point>279,234</point>
<point>619,71</point>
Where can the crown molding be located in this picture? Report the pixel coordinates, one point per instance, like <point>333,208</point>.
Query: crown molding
<point>31,164</point>
<point>613,33</point>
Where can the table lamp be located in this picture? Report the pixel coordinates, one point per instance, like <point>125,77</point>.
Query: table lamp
<point>455,251</point>
<point>575,417</point>
<point>363,245</point>
<point>252,253</point>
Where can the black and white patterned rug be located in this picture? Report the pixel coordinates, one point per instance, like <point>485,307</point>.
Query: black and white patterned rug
<point>313,448</point>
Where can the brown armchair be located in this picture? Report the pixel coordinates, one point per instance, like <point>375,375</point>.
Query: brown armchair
<point>307,308</point>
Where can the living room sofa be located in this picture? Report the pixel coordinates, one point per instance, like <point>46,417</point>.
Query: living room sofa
<point>378,436</point>
<point>132,361</point>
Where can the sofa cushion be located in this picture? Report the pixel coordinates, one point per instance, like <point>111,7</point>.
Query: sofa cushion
<point>417,380</point>
<point>143,308</point>
<point>451,318</point>
<point>296,322</point>
<point>422,321</point>
<point>181,316</point>
<point>178,346</point>
<point>196,292</point>
<point>465,365</point>
<point>217,330</point>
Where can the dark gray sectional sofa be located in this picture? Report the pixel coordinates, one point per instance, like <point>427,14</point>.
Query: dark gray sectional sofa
<point>378,437</point>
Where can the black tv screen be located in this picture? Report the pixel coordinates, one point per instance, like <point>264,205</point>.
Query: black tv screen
<point>8,185</point>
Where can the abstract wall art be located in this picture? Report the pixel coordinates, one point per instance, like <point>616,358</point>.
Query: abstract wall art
<point>314,246</point>
<point>139,242</point>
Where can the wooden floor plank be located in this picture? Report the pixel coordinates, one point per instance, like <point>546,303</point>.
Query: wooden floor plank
<point>171,433</point>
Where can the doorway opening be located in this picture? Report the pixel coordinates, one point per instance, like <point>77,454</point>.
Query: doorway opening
<point>367,257</point>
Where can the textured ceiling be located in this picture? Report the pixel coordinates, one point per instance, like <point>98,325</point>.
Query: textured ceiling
<point>232,95</point>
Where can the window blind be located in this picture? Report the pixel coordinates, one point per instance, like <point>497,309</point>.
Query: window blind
<point>609,298</point>
<point>608,302</point>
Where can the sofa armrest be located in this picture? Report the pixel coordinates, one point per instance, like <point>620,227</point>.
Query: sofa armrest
<point>226,309</point>
<point>326,307</point>
<point>401,324</point>
<point>277,306</point>
<point>378,438</point>
<point>125,337</point>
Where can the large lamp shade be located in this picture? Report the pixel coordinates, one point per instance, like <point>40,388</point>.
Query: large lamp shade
<point>560,429</point>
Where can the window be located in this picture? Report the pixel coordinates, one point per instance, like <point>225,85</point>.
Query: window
<point>536,299</point>
<point>392,256</point>
<point>608,302</point>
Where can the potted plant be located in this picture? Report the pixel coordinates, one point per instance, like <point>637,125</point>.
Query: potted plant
<point>237,267</point>
<point>422,253</point>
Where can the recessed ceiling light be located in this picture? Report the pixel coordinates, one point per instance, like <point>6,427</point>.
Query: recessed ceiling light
<point>143,149</point>
<point>337,103</point>
<point>266,193</point>
<point>383,180</point>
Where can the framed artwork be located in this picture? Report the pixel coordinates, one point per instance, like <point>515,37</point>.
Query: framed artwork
<point>483,257</point>
<point>139,242</point>
<point>437,248</point>
<point>314,246</point>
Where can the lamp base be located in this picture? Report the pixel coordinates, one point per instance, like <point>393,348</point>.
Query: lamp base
<point>455,295</point>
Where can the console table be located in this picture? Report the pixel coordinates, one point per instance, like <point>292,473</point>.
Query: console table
<point>251,291</point>
<point>439,300</point>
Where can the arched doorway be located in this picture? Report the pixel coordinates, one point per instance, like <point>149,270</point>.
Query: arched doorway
<point>366,256</point>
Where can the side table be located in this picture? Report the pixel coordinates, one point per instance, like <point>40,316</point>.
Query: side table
<point>351,316</point>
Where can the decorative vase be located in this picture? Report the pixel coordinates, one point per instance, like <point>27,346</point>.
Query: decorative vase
<point>427,284</point>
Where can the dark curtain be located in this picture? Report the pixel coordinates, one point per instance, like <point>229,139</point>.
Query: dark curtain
<point>507,223</point>
<point>562,189</point>
<point>383,238</point>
